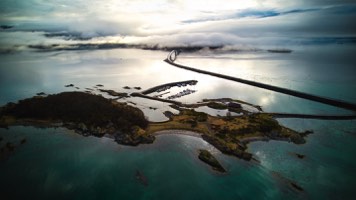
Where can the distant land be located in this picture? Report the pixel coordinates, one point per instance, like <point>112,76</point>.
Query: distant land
<point>154,47</point>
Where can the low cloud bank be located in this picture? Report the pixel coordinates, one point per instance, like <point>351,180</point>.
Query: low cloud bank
<point>257,24</point>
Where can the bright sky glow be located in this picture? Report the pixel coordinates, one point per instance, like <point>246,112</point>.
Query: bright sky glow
<point>231,22</point>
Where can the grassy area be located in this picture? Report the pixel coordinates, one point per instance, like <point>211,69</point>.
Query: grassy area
<point>90,114</point>
<point>187,120</point>
<point>225,133</point>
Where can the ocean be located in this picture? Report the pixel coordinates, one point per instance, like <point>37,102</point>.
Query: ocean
<point>59,164</point>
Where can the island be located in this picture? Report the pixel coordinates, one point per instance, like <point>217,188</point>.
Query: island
<point>93,114</point>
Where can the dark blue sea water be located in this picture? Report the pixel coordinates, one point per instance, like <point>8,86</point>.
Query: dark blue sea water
<point>59,164</point>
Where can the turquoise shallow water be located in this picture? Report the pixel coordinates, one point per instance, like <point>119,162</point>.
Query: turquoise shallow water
<point>59,164</point>
<point>327,171</point>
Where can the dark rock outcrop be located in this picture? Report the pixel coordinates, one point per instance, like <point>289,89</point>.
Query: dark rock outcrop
<point>114,93</point>
<point>209,159</point>
<point>69,85</point>
<point>240,153</point>
<point>132,140</point>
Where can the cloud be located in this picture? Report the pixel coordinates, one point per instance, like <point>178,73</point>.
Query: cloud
<point>231,22</point>
<point>251,13</point>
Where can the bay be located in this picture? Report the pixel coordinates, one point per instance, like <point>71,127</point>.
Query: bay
<point>57,163</point>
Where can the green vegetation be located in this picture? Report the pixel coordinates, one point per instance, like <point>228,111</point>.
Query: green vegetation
<point>228,134</point>
<point>208,158</point>
<point>196,116</point>
<point>232,103</point>
<point>88,114</point>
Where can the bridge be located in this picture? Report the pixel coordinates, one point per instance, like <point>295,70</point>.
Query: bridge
<point>172,56</point>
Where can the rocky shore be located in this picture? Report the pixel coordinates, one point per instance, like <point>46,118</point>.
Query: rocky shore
<point>90,114</point>
<point>86,114</point>
<point>229,134</point>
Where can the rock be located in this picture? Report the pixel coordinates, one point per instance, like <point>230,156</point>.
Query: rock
<point>234,105</point>
<point>115,94</point>
<point>296,186</point>
<point>300,156</point>
<point>98,131</point>
<point>23,141</point>
<point>246,156</point>
<point>209,159</point>
<point>41,93</point>
<point>100,85</point>
<point>297,139</point>
<point>132,139</point>
<point>307,132</point>
<point>240,153</point>
<point>140,177</point>
<point>127,87</point>
<point>70,126</point>
<point>70,85</point>
<point>287,182</point>
<point>149,139</point>
<point>82,127</point>
<point>124,139</point>
<point>168,114</point>
<point>137,88</point>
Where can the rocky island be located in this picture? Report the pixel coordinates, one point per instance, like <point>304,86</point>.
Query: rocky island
<point>91,114</point>
<point>206,157</point>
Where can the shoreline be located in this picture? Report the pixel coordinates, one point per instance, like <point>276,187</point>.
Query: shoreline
<point>128,126</point>
<point>177,132</point>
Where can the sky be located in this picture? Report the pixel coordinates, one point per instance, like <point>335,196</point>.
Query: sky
<point>178,22</point>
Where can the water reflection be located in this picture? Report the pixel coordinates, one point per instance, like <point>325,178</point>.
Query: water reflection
<point>324,72</point>
<point>23,75</point>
